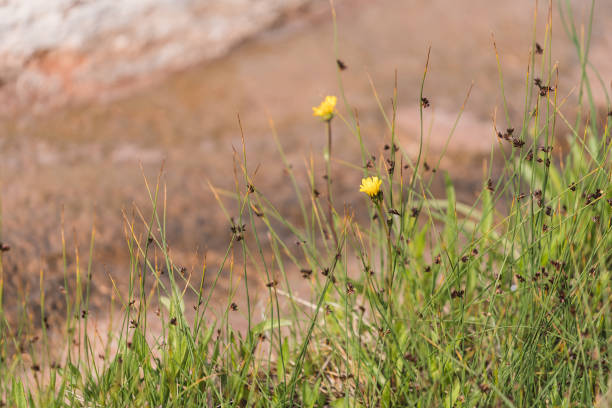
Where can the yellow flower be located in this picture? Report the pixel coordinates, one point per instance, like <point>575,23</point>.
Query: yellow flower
<point>370,186</point>
<point>326,109</point>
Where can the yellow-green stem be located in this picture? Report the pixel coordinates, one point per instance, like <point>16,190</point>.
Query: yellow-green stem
<point>330,209</point>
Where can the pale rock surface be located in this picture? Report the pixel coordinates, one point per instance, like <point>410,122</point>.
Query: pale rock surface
<point>54,51</point>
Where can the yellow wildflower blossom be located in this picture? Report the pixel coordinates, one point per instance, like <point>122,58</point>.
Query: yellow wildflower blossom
<point>370,186</point>
<point>326,109</point>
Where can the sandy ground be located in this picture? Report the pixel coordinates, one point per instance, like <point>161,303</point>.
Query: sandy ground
<point>87,160</point>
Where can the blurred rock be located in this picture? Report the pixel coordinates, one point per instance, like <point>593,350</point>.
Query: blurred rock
<point>52,52</point>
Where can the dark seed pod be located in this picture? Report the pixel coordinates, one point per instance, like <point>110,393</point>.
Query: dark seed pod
<point>538,49</point>
<point>272,284</point>
<point>457,293</point>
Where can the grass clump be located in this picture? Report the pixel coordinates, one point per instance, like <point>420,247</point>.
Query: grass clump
<point>414,300</point>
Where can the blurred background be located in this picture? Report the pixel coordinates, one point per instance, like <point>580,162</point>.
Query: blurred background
<point>96,94</point>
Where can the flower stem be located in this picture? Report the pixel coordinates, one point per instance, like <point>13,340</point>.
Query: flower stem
<point>330,209</point>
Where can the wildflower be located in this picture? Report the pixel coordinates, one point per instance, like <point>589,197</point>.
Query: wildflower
<point>370,186</point>
<point>326,109</point>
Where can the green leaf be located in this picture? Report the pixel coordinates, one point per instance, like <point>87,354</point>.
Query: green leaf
<point>270,324</point>
<point>344,402</point>
<point>283,359</point>
<point>18,395</point>
<point>386,395</point>
<point>451,398</point>
<point>417,244</point>
<point>208,335</point>
<point>450,229</point>
<point>169,305</point>
<point>487,214</point>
